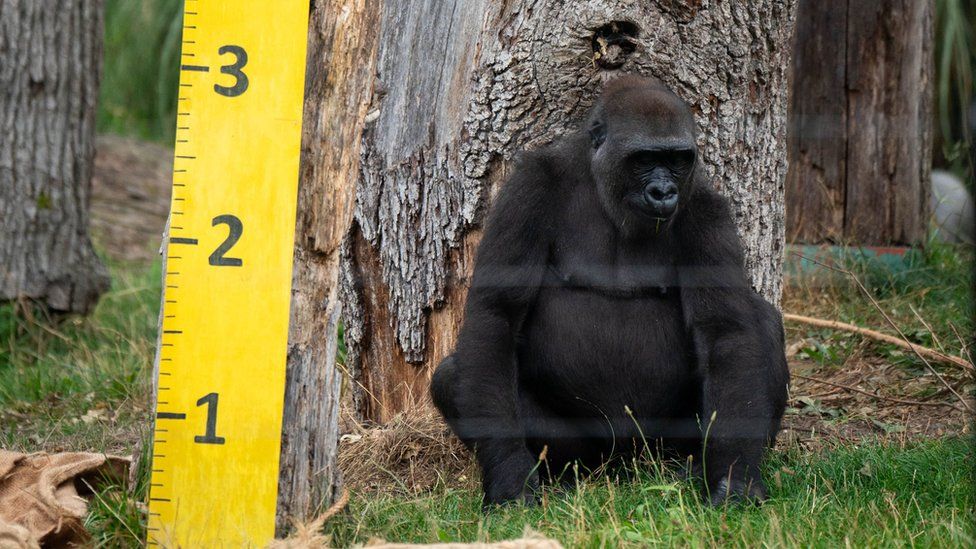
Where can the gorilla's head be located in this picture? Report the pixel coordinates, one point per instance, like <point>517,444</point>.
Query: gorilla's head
<point>643,155</point>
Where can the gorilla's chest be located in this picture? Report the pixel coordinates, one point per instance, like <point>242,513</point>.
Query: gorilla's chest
<point>578,344</point>
<point>593,256</point>
<point>608,315</point>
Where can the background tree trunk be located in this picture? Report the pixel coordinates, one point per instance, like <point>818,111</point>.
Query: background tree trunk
<point>861,130</point>
<point>464,84</point>
<point>341,49</point>
<point>51,60</point>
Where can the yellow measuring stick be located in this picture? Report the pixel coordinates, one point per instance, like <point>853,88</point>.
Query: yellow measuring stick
<point>225,327</point>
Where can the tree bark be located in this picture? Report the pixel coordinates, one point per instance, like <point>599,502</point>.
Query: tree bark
<point>51,60</point>
<point>341,50</point>
<point>861,131</point>
<point>465,84</point>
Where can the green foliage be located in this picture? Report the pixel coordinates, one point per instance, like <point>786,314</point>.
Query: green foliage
<point>869,496</point>
<point>141,76</point>
<point>955,58</point>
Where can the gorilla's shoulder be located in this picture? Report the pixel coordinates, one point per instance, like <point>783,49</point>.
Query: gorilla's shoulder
<point>542,169</point>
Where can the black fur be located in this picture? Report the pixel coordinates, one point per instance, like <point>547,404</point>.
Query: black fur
<point>596,324</point>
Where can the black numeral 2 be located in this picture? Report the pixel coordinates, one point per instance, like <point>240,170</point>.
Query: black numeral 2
<point>217,258</point>
<point>211,435</point>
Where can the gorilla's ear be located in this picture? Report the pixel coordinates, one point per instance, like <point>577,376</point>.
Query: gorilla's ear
<point>598,132</point>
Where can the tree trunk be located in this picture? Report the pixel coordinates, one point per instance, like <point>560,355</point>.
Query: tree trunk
<point>861,130</point>
<point>51,59</point>
<point>341,50</point>
<point>465,84</point>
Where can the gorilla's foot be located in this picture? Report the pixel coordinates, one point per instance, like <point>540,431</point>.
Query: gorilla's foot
<point>514,480</point>
<point>733,491</point>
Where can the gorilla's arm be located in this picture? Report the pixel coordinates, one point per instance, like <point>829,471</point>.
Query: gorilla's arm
<point>475,388</point>
<point>738,339</point>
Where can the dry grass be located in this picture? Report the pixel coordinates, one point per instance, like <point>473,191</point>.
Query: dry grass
<point>411,454</point>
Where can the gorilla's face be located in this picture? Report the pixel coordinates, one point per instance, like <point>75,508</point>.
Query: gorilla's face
<point>644,155</point>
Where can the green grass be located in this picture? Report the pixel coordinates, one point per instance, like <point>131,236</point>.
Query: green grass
<point>935,282</point>
<point>876,495</point>
<point>53,373</point>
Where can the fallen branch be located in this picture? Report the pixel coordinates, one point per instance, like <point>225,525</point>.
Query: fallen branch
<point>878,395</point>
<point>866,332</point>
<point>912,347</point>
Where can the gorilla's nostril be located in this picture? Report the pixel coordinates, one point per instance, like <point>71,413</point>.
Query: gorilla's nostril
<point>661,193</point>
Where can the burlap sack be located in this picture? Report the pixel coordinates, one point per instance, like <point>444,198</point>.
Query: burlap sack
<point>41,496</point>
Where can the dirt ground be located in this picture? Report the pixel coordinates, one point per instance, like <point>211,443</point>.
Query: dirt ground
<point>858,400</point>
<point>130,197</point>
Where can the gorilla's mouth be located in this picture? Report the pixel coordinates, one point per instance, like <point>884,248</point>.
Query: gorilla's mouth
<point>653,211</point>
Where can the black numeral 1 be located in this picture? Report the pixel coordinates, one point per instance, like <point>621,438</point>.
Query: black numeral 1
<point>211,436</point>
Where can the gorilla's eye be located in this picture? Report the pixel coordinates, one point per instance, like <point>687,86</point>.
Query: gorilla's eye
<point>678,161</point>
<point>682,156</point>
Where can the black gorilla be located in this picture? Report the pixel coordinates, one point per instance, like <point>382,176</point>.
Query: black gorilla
<point>610,309</point>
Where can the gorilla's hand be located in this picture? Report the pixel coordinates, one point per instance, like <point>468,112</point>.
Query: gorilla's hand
<point>732,490</point>
<point>512,480</point>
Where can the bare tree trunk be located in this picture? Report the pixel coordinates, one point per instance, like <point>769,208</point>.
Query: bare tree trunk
<point>341,50</point>
<point>861,135</point>
<point>464,84</point>
<point>51,59</point>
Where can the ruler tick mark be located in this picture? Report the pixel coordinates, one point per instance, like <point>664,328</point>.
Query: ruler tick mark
<point>194,68</point>
<point>170,415</point>
<point>189,241</point>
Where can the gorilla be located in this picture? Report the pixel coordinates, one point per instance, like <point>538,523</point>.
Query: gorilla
<point>610,312</point>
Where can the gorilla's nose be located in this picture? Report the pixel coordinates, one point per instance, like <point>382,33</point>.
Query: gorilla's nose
<point>661,197</point>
